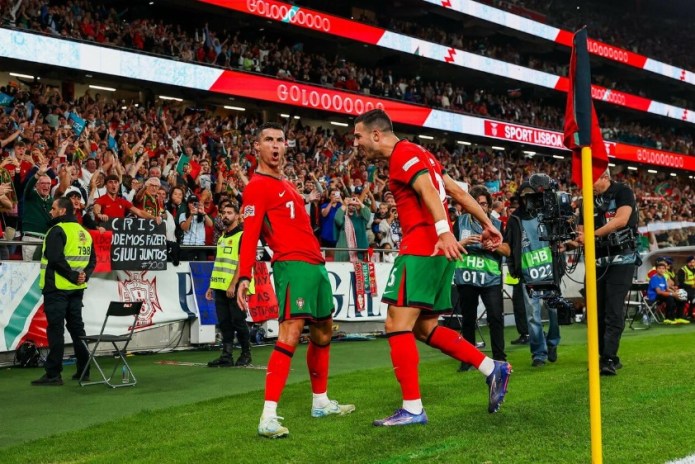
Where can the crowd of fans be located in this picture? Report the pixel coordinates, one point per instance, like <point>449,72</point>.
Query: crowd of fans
<point>179,164</point>
<point>88,21</point>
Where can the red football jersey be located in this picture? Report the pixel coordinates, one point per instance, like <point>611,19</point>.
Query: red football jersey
<point>275,208</point>
<point>409,160</point>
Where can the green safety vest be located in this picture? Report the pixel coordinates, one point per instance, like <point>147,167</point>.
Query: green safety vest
<point>689,276</point>
<point>77,251</point>
<point>226,262</point>
<point>480,268</point>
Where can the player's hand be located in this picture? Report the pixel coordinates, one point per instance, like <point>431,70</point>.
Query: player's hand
<point>491,237</point>
<point>208,294</point>
<point>451,248</point>
<point>241,295</point>
<point>470,240</point>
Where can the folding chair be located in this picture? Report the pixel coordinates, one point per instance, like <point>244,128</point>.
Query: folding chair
<point>645,310</point>
<point>116,309</point>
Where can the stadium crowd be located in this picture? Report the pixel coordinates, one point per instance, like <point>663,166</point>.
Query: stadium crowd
<point>179,163</point>
<point>93,22</point>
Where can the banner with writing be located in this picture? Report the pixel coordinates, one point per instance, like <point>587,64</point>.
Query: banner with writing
<point>138,244</point>
<point>102,249</point>
<point>263,304</point>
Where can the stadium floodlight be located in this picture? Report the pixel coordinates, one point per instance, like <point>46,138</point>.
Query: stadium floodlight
<point>234,108</point>
<point>425,137</point>
<point>673,174</point>
<point>558,157</point>
<point>99,87</point>
<point>463,142</point>
<point>497,148</point>
<point>341,124</point>
<point>530,153</point>
<point>651,171</point>
<point>611,165</point>
<point>297,117</point>
<point>164,97</point>
<point>284,115</point>
<point>632,168</point>
<point>25,76</point>
<point>124,107</point>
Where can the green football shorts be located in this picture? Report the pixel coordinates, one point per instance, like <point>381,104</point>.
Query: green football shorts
<point>420,282</point>
<point>303,291</point>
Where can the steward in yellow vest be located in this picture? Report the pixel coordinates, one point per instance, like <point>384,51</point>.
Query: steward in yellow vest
<point>231,319</point>
<point>67,262</point>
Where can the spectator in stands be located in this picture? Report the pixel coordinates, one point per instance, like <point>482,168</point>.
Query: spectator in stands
<point>351,229</point>
<point>193,223</point>
<point>36,212</point>
<point>113,206</point>
<point>328,211</point>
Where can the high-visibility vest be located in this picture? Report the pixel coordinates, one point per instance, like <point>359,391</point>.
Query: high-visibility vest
<point>226,261</point>
<point>77,251</point>
<point>479,268</point>
<point>689,276</point>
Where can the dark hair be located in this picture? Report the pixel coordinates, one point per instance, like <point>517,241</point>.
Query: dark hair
<point>230,204</point>
<point>480,191</point>
<point>268,125</point>
<point>375,118</point>
<point>65,203</point>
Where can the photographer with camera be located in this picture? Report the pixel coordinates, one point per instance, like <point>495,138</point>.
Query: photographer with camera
<point>193,223</point>
<point>531,260</point>
<point>615,224</point>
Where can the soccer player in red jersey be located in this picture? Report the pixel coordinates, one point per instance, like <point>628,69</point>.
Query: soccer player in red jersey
<point>273,207</point>
<point>419,286</point>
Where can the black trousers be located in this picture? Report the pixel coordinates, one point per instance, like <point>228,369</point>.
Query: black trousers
<point>64,306</point>
<point>492,299</point>
<point>519,309</point>
<point>612,287</point>
<point>231,320</point>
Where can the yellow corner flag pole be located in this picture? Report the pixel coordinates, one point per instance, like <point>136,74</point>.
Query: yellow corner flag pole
<point>591,312</point>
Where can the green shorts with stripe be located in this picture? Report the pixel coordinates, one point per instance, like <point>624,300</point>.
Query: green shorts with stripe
<point>420,282</point>
<point>303,291</point>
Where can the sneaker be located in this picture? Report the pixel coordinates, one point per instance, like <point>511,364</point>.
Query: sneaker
<point>669,322</point>
<point>46,381</point>
<point>402,417</point>
<point>608,367</point>
<point>552,353</point>
<point>498,381</point>
<point>271,427</point>
<point>537,363</point>
<point>522,340</point>
<point>465,367</point>
<point>333,408</point>
<point>682,321</point>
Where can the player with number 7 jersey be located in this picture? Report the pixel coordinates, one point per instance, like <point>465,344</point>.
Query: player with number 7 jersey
<point>274,208</point>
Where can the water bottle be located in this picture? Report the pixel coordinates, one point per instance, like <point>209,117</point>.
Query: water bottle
<point>645,319</point>
<point>125,375</point>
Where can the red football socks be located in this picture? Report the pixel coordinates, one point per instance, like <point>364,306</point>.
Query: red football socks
<point>453,344</point>
<point>405,359</point>
<point>317,358</point>
<point>278,370</point>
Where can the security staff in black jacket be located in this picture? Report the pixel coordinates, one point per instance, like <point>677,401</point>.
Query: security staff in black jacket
<point>615,224</point>
<point>67,262</point>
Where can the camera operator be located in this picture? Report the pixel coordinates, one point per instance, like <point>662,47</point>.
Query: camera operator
<point>193,223</point>
<point>615,224</point>
<point>532,262</point>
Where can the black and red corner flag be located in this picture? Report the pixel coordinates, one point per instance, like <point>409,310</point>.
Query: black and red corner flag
<point>581,123</point>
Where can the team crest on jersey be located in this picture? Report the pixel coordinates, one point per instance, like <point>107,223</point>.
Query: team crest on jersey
<point>411,162</point>
<point>300,303</point>
<point>137,288</point>
<point>249,211</point>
